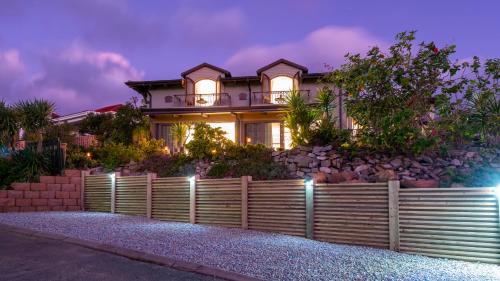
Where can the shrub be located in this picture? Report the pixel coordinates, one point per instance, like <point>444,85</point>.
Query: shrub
<point>76,158</point>
<point>28,164</point>
<point>7,173</point>
<point>207,142</point>
<point>219,170</point>
<point>168,166</point>
<point>112,155</point>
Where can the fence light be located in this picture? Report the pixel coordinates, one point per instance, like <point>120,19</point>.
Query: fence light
<point>309,184</point>
<point>192,179</point>
<point>497,191</point>
<point>112,175</point>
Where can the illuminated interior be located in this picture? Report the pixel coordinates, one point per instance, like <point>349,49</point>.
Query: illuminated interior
<point>203,88</point>
<point>280,84</point>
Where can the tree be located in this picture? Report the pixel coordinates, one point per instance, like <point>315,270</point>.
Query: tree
<point>129,120</point>
<point>100,125</point>
<point>392,96</point>
<point>207,142</point>
<point>9,124</point>
<point>35,117</point>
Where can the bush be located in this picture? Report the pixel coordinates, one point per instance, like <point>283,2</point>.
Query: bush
<point>113,155</point>
<point>168,166</point>
<point>28,164</point>
<point>76,158</point>
<point>7,173</point>
<point>207,142</point>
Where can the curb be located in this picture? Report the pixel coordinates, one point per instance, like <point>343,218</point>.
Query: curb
<point>135,255</point>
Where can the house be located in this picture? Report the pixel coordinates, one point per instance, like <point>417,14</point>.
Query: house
<point>249,108</point>
<point>75,119</point>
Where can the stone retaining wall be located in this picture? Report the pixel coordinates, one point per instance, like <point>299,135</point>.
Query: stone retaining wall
<point>52,193</point>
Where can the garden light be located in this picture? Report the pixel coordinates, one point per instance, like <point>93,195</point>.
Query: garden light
<point>308,184</point>
<point>192,179</point>
<point>89,155</point>
<point>497,191</point>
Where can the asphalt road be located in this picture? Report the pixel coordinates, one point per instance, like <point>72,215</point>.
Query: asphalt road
<point>33,258</point>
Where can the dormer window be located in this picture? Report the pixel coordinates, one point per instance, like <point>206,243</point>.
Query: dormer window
<point>280,86</point>
<point>205,92</point>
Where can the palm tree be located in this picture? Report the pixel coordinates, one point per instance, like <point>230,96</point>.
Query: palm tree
<point>35,116</point>
<point>9,124</point>
<point>180,133</point>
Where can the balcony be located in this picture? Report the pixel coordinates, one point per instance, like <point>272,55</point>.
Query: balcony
<point>202,100</point>
<point>276,97</point>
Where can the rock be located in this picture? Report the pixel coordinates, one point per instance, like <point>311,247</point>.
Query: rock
<point>361,168</point>
<point>470,154</point>
<point>321,158</point>
<point>456,162</point>
<point>312,155</point>
<point>407,178</point>
<point>426,160</point>
<point>300,173</point>
<point>416,164</point>
<point>314,170</point>
<point>385,175</point>
<point>337,163</point>
<point>317,149</point>
<point>320,177</point>
<point>347,175</point>
<point>325,170</point>
<point>326,163</point>
<point>396,163</point>
<point>303,161</point>
<point>387,166</point>
<point>420,183</point>
<point>335,178</point>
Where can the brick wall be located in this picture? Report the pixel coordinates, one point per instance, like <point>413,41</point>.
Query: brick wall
<point>52,193</point>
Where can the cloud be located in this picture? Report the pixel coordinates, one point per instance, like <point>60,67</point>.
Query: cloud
<point>203,28</point>
<point>75,78</point>
<point>326,45</point>
<point>115,22</point>
<point>12,70</point>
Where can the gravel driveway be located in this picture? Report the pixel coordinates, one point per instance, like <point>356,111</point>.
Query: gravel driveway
<point>262,255</point>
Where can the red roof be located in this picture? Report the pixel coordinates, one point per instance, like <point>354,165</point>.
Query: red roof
<point>109,108</point>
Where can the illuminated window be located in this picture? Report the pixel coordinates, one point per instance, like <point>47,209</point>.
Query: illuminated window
<point>279,85</point>
<point>266,133</point>
<point>205,92</point>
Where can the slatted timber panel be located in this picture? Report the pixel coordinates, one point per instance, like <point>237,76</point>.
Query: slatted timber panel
<point>355,214</point>
<point>131,195</point>
<point>277,206</point>
<point>459,223</point>
<point>97,193</point>
<point>218,202</point>
<point>170,199</point>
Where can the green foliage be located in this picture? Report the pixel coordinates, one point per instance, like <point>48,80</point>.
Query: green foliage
<point>391,95</point>
<point>76,158</point>
<point>129,120</point>
<point>29,164</point>
<point>299,119</point>
<point>207,142</point>
<point>100,125</point>
<point>180,133</point>
<point>248,160</point>
<point>64,132</point>
<point>9,124</point>
<point>169,166</point>
<point>7,173</point>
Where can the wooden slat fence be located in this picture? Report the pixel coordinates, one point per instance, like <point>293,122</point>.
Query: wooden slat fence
<point>277,206</point>
<point>170,199</point>
<point>218,202</point>
<point>352,214</point>
<point>97,195</point>
<point>131,195</point>
<point>460,223</point>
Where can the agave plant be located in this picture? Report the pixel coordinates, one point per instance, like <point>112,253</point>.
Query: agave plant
<point>180,133</point>
<point>35,116</point>
<point>9,125</point>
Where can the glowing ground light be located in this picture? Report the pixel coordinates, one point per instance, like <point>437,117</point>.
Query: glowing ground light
<point>308,184</point>
<point>497,191</point>
<point>192,179</point>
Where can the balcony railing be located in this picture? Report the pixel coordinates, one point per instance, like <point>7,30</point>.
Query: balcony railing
<point>203,100</point>
<point>275,97</point>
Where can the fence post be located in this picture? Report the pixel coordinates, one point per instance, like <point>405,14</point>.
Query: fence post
<point>149,194</point>
<point>192,199</point>
<point>244,201</point>
<point>113,191</point>
<point>84,174</point>
<point>309,187</point>
<point>393,190</point>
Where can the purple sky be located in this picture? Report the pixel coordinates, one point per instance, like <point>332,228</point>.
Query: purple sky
<point>78,53</point>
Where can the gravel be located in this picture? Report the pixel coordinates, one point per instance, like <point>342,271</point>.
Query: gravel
<point>257,254</point>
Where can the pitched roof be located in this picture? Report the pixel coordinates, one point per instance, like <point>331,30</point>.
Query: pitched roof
<point>227,73</point>
<point>109,108</point>
<point>292,64</point>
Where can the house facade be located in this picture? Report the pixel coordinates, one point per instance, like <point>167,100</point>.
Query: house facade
<point>249,109</point>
